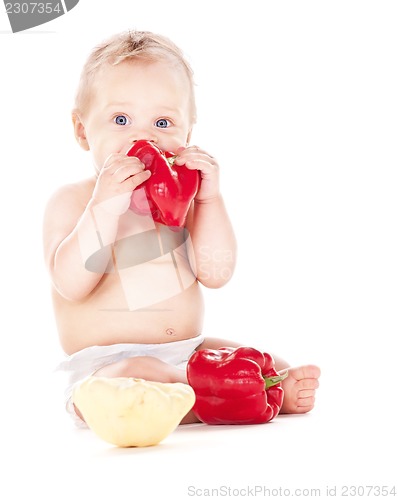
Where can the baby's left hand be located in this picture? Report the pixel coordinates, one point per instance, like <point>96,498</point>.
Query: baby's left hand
<point>195,158</point>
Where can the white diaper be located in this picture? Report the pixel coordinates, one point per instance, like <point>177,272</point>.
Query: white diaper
<point>87,361</point>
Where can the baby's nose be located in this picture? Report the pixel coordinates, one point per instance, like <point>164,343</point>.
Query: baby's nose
<point>143,137</point>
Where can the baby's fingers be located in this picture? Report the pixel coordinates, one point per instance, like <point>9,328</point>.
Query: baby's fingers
<point>193,154</point>
<point>124,170</point>
<point>113,161</point>
<point>138,179</point>
<point>117,161</point>
<point>131,175</point>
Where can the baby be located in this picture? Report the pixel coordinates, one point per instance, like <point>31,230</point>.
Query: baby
<point>126,289</point>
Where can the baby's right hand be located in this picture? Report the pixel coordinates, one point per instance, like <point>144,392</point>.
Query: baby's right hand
<point>118,178</point>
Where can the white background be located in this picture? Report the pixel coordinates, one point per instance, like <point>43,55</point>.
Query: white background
<point>298,101</point>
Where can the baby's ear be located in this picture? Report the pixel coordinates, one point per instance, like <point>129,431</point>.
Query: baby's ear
<point>80,131</point>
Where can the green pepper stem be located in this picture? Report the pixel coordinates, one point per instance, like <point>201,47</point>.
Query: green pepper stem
<point>171,160</point>
<point>271,381</point>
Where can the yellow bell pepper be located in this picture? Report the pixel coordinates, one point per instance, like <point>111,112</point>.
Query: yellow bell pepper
<point>130,411</point>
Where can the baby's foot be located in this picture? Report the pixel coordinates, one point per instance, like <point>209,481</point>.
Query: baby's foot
<point>299,388</point>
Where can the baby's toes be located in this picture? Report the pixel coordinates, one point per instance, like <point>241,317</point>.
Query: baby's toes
<point>305,400</point>
<point>305,405</point>
<point>299,389</point>
<point>311,372</point>
<point>307,384</point>
<point>306,394</point>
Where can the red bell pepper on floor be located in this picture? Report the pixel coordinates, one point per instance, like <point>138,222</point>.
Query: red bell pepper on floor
<point>235,386</point>
<point>168,193</point>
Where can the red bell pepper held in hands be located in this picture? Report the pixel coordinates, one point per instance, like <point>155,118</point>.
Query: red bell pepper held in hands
<point>235,386</point>
<point>168,193</point>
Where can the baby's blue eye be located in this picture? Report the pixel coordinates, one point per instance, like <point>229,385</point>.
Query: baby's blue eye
<point>162,123</point>
<point>120,120</point>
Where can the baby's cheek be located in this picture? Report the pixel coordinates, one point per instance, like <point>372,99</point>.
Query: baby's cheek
<point>98,164</point>
<point>100,158</point>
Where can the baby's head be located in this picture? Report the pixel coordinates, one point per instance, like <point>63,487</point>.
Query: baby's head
<point>131,46</point>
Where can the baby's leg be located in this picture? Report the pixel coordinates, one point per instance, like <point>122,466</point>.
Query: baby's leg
<point>299,387</point>
<point>147,368</point>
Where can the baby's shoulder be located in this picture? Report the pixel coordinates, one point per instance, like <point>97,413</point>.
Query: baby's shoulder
<point>76,193</point>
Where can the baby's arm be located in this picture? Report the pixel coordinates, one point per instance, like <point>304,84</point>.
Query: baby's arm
<point>213,242</point>
<point>65,219</point>
<point>208,223</point>
<point>80,221</point>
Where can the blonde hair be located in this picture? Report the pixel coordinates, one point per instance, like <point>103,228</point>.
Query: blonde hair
<point>131,46</point>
